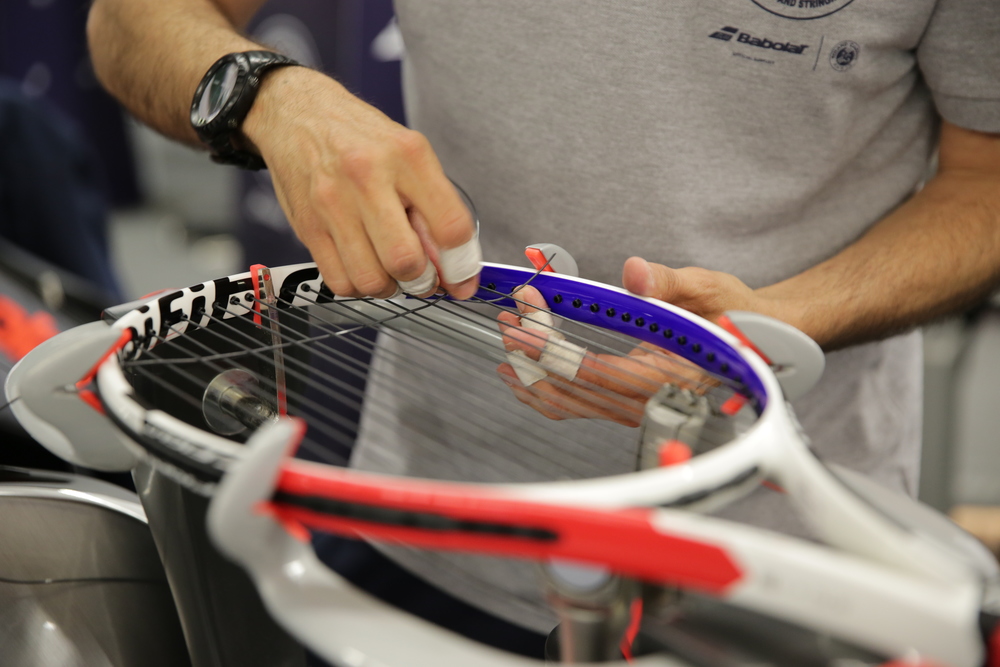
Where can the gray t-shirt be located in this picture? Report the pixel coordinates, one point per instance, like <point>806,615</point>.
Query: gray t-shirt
<point>756,137</point>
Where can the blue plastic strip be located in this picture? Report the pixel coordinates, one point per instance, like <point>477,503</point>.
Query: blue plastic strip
<point>583,302</point>
<point>629,315</point>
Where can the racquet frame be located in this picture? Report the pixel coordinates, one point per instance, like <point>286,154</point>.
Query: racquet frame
<point>877,583</point>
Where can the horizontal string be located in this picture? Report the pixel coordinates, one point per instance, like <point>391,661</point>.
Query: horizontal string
<point>482,431</point>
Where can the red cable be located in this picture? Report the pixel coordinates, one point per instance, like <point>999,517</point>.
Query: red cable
<point>635,621</point>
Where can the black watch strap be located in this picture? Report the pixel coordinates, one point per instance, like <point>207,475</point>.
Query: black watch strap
<point>221,132</point>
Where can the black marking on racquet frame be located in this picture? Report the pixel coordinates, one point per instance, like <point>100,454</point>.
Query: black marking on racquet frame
<point>705,493</point>
<point>163,446</point>
<point>409,519</point>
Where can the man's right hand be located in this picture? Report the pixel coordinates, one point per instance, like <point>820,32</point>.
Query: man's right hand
<point>366,195</point>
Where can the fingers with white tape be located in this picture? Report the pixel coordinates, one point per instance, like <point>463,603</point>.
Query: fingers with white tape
<point>457,265</point>
<point>528,371</point>
<point>554,353</point>
<point>461,263</point>
<point>562,358</point>
<point>425,284</point>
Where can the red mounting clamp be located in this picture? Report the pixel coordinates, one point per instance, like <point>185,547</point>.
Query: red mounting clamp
<point>552,258</point>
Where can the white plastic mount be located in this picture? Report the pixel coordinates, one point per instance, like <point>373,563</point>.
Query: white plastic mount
<point>337,621</point>
<point>44,399</point>
<point>796,360</point>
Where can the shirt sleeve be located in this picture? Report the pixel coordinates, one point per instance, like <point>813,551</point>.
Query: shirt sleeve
<point>959,57</point>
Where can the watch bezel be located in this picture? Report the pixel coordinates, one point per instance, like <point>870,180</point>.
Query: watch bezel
<point>224,119</point>
<point>218,132</point>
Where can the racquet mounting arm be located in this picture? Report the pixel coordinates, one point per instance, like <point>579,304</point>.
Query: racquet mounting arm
<point>315,604</point>
<point>49,403</point>
<point>671,415</point>
<point>593,608</point>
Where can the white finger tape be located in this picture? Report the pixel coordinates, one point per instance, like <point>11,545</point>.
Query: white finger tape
<point>540,320</point>
<point>528,371</point>
<point>425,283</point>
<point>543,322</point>
<point>461,263</point>
<point>562,358</point>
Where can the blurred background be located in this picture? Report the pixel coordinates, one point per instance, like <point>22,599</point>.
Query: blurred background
<point>83,186</point>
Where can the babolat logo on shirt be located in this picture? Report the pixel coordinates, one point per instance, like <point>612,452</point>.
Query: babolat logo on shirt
<point>726,34</point>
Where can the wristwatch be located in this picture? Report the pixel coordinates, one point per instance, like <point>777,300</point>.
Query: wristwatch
<point>223,100</point>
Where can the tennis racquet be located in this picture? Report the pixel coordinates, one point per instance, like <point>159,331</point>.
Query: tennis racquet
<point>216,383</point>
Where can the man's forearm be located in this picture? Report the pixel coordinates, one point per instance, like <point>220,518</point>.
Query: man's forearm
<point>151,55</point>
<point>349,178</point>
<point>936,254</point>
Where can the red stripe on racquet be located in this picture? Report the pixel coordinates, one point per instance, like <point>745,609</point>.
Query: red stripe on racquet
<point>624,540</point>
<point>123,339</point>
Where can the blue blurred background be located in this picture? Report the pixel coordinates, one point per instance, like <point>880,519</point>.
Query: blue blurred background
<point>153,187</point>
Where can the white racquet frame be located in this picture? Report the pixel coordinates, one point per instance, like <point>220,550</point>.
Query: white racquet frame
<point>889,579</point>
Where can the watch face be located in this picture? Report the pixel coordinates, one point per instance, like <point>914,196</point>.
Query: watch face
<point>218,90</point>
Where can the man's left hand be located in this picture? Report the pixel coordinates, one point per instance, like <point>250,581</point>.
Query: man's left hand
<point>706,293</point>
<point>606,386</point>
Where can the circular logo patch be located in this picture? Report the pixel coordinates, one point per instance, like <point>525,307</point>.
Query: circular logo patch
<point>844,55</point>
<point>802,10</point>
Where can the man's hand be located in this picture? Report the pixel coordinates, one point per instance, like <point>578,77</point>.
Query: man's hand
<point>366,195</point>
<point>937,253</point>
<point>606,386</point>
<point>706,293</point>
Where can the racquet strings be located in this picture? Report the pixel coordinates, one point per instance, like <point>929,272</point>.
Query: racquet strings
<point>340,432</point>
<point>206,351</point>
<point>322,377</point>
